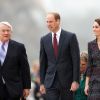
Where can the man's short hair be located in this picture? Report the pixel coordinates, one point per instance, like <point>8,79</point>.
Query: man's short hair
<point>56,15</point>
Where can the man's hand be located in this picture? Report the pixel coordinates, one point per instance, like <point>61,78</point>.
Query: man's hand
<point>74,86</point>
<point>42,89</point>
<point>26,93</point>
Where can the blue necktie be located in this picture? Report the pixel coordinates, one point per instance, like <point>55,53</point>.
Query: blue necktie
<point>2,53</point>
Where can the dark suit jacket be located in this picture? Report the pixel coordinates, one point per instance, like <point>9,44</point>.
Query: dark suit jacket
<point>93,69</point>
<point>67,63</point>
<point>15,69</point>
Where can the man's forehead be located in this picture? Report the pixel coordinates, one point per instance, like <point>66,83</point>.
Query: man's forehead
<point>50,15</point>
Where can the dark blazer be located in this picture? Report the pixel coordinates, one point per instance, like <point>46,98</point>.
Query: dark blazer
<point>15,69</point>
<point>93,68</point>
<point>67,63</point>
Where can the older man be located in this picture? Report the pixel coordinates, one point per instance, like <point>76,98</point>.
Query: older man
<point>14,68</point>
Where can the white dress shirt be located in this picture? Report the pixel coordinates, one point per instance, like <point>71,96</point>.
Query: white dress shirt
<point>57,35</point>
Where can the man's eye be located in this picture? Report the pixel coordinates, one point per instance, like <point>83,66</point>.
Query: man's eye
<point>5,30</point>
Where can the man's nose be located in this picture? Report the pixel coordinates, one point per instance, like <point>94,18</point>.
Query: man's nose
<point>6,32</point>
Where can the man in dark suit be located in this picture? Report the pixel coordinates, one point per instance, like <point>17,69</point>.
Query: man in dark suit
<point>14,68</point>
<point>59,61</point>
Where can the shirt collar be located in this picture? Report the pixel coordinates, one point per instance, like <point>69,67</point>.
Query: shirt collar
<point>6,44</point>
<point>58,32</point>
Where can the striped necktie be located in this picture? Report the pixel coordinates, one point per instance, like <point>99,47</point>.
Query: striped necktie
<point>2,53</point>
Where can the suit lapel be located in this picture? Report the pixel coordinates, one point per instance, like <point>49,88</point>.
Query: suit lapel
<point>61,40</point>
<point>8,52</point>
<point>50,45</point>
<point>0,64</point>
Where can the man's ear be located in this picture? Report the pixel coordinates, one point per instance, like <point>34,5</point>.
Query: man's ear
<point>58,21</point>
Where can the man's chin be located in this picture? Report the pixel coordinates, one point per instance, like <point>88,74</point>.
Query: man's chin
<point>5,39</point>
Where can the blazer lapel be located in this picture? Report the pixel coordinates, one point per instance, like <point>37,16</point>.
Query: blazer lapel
<point>50,45</point>
<point>0,64</point>
<point>61,40</point>
<point>8,52</point>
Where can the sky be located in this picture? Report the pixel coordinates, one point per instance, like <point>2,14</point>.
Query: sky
<point>29,24</point>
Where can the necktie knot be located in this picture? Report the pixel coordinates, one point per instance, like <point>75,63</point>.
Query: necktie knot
<point>55,34</point>
<point>2,46</point>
